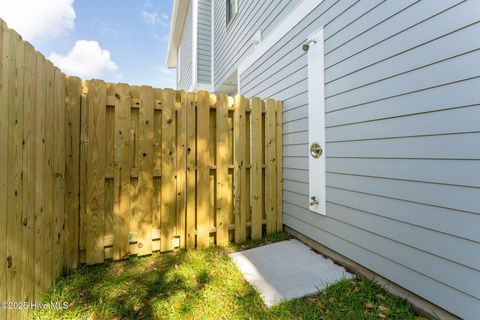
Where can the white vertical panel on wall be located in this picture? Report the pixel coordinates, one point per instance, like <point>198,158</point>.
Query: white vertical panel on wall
<point>316,122</point>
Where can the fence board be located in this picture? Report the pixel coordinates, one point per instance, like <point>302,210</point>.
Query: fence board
<point>121,184</point>
<point>72,168</point>
<point>270,170</point>
<point>240,181</point>
<point>95,171</point>
<point>279,163</point>
<point>168,170</point>
<point>39,142</point>
<point>181,164</point>
<point>4,108</point>
<point>222,170</point>
<point>203,169</point>
<point>59,173</point>
<point>27,270</point>
<point>146,155</point>
<point>49,174</point>
<point>257,169</point>
<point>191,170</point>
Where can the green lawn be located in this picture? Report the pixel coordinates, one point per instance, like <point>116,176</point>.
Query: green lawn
<point>204,284</point>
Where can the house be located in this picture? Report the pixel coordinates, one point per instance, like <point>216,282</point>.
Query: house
<point>390,92</point>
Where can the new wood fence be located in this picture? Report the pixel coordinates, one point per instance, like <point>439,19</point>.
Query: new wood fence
<point>161,169</point>
<point>91,171</point>
<point>32,171</point>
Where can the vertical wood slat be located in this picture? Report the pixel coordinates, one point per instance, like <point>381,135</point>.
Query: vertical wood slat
<point>279,162</point>
<point>222,222</point>
<point>49,175</point>
<point>15,162</point>
<point>83,167</point>
<point>157,143</point>
<point>270,162</point>
<point>121,211</point>
<point>72,168</point>
<point>28,220</point>
<point>191,125</point>
<point>40,193</point>
<point>181,165</point>
<point>257,169</point>
<point>203,169</point>
<point>241,199</point>
<point>146,155</point>
<point>4,108</point>
<point>168,170</point>
<point>95,171</point>
<point>134,213</point>
<point>59,173</point>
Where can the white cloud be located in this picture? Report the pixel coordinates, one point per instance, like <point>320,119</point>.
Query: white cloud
<point>35,19</point>
<point>152,17</point>
<point>86,60</point>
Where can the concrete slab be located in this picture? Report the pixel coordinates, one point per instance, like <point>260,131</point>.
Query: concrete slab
<point>287,270</point>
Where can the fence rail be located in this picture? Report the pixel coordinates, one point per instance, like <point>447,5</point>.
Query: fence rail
<point>92,171</point>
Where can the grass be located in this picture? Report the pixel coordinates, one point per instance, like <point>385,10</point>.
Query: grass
<point>204,284</point>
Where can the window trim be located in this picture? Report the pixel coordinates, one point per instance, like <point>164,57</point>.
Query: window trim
<point>229,19</point>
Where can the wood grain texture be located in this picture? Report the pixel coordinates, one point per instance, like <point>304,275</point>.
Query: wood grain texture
<point>168,170</point>
<point>181,166</point>
<point>72,170</point>
<point>121,211</point>
<point>279,162</point>
<point>270,170</point>
<point>191,163</point>
<point>59,174</point>
<point>241,199</point>
<point>15,163</point>
<point>95,171</point>
<point>203,169</point>
<point>257,169</point>
<point>146,157</point>
<point>27,271</point>
<point>49,174</point>
<point>222,189</point>
<point>40,193</point>
<point>4,151</point>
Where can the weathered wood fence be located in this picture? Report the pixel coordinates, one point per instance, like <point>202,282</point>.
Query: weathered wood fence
<point>92,171</point>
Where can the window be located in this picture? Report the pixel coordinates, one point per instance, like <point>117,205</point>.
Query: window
<point>232,8</point>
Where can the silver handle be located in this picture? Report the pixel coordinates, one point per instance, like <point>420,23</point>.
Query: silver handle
<point>314,201</point>
<point>316,150</point>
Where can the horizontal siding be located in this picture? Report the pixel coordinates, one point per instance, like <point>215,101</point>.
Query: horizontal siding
<point>402,132</point>
<point>186,41</point>
<point>233,43</point>
<point>204,41</point>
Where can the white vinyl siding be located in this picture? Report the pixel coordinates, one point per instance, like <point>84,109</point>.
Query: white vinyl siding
<point>402,83</point>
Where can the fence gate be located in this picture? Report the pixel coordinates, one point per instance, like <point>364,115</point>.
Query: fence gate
<point>161,169</point>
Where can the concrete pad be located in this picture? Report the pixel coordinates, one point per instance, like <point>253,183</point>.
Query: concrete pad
<point>287,270</point>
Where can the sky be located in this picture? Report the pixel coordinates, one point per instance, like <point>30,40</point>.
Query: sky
<point>115,40</point>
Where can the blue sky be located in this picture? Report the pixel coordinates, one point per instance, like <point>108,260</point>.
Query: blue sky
<point>115,40</point>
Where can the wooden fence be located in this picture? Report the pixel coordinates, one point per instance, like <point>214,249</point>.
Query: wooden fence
<point>92,171</point>
<point>161,169</point>
<point>32,171</point>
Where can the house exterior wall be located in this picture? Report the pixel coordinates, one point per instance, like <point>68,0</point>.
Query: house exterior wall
<point>402,103</point>
<point>233,42</point>
<point>204,30</point>
<point>184,59</point>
